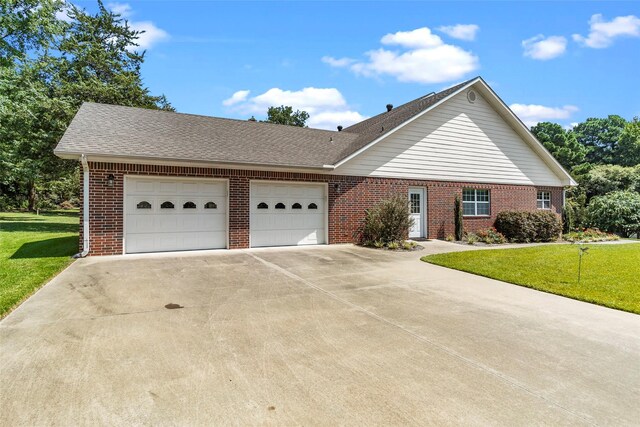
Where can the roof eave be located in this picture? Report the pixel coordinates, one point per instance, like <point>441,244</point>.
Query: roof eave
<point>113,158</point>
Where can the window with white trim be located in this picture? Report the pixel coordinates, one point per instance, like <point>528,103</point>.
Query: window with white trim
<point>544,200</point>
<point>475,202</point>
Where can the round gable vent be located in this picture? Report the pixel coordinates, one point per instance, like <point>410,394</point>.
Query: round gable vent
<point>471,96</point>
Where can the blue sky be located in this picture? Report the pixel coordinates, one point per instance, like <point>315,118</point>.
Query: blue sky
<point>343,61</point>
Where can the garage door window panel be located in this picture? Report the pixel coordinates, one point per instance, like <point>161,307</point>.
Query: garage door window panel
<point>167,205</point>
<point>189,205</point>
<point>280,206</point>
<point>143,205</point>
<point>210,205</point>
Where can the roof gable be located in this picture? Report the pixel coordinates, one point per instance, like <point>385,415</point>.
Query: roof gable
<point>457,141</point>
<point>412,113</point>
<point>151,135</point>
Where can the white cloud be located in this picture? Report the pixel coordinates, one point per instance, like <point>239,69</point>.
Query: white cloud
<point>465,32</point>
<point>327,107</point>
<point>237,97</point>
<point>602,33</point>
<point>426,59</point>
<point>532,114</point>
<point>331,119</point>
<point>544,48</point>
<point>123,9</point>
<point>415,39</point>
<point>337,62</point>
<point>151,35</point>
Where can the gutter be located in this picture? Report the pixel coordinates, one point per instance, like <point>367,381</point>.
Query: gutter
<point>85,209</point>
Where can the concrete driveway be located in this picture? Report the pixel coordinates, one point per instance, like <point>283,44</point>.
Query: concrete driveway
<point>311,336</point>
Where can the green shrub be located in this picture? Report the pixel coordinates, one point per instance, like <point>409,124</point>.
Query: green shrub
<point>524,226</point>
<point>617,212</point>
<point>604,179</point>
<point>491,236</point>
<point>389,221</point>
<point>450,238</point>
<point>471,238</point>
<point>458,217</point>
<point>407,245</point>
<point>574,214</point>
<point>393,245</point>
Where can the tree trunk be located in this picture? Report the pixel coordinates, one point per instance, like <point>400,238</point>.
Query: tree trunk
<point>32,196</point>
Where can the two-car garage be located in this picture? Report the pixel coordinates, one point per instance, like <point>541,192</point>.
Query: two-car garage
<point>177,214</point>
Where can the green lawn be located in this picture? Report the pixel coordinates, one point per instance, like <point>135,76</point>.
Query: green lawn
<point>33,248</point>
<point>610,273</point>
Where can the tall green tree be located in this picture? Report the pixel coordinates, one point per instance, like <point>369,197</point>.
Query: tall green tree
<point>31,123</point>
<point>99,63</point>
<point>601,136</point>
<point>562,144</point>
<point>628,152</point>
<point>284,115</point>
<point>27,26</point>
<point>40,92</point>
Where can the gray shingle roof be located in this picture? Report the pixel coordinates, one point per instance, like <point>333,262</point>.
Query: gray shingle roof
<point>116,131</point>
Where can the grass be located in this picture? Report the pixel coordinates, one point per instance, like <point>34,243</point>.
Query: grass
<point>610,273</point>
<point>33,248</point>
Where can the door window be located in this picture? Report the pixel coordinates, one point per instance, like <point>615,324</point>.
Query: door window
<point>415,203</point>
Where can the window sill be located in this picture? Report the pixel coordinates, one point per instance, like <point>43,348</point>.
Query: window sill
<point>476,216</point>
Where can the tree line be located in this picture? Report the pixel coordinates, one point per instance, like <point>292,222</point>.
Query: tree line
<point>603,156</point>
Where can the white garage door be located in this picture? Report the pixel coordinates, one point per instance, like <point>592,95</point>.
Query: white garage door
<point>175,214</point>
<point>287,214</point>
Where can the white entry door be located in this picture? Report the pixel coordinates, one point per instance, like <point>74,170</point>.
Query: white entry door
<point>417,211</point>
<point>287,214</point>
<point>171,214</point>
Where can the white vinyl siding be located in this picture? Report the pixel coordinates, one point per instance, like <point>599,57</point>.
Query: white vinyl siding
<point>456,141</point>
<point>476,202</point>
<point>544,200</point>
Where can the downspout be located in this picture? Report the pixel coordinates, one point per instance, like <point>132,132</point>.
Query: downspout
<point>85,209</point>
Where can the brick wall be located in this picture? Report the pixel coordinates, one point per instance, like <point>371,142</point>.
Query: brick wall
<point>348,197</point>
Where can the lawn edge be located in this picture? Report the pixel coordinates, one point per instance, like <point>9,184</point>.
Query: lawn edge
<point>609,306</point>
<point>37,289</point>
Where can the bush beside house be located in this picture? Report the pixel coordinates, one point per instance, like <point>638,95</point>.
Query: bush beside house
<point>617,212</point>
<point>524,226</point>
<point>386,224</point>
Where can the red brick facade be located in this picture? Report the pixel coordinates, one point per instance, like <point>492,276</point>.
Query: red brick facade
<point>348,197</point>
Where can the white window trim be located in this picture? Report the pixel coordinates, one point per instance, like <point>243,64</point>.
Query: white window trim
<point>543,200</point>
<point>476,202</point>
